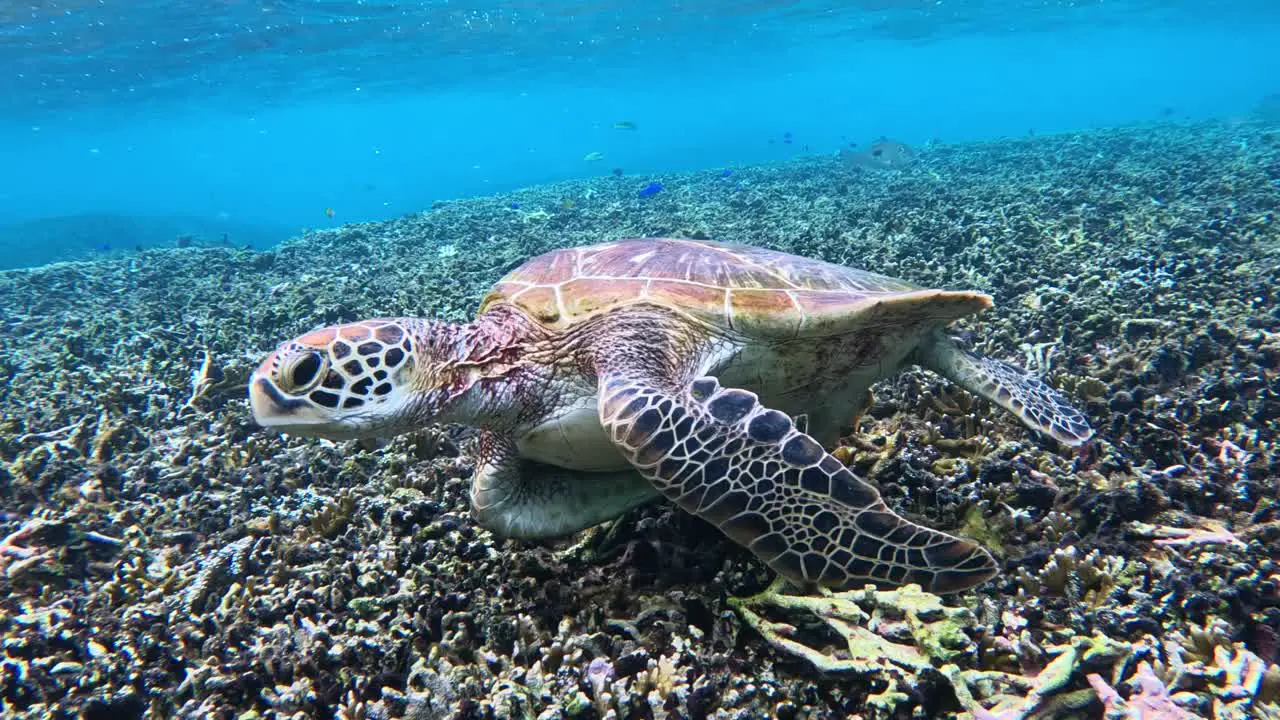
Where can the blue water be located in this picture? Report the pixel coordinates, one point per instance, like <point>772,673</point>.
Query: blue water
<point>255,118</point>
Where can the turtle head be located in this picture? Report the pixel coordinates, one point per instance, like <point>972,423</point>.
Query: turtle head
<point>347,381</point>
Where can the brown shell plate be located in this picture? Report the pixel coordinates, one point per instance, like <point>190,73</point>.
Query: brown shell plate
<point>754,291</point>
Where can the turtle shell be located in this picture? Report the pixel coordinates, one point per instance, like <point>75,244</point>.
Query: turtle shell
<point>747,290</point>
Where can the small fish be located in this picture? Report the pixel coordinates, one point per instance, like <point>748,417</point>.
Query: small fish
<point>104,247</point>
<point>624,125</point>
<point>617,172</point>
<point>568,204</point>
<point>594,157</point>
<point>726,173</point>
<point>515,206</point>
<point>650,190</point>
<point>329,213</point>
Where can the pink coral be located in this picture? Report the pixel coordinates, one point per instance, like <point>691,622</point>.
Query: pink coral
<point>1150,702</point>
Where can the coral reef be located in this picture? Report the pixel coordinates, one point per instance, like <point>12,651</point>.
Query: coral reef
<point>161,557</point>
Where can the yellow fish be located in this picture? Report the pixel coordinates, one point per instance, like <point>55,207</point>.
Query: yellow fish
<point>329,213</point>
<point>594,156</point>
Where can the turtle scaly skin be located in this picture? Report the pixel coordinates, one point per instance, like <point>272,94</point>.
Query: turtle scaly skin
<point>603,377</point>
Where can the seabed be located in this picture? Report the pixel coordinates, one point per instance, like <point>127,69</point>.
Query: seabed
<point>161,557</point>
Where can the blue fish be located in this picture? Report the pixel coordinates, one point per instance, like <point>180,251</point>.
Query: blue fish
<point>726,172</point>
<point>515,206</point>
<point>104,247</point>
<point>651,189</point>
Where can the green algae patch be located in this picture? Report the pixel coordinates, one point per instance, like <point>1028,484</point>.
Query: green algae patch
<point>934,631</point>
<point>977,527</point>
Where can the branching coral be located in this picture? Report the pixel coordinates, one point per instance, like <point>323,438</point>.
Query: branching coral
<point>1089,579</point>
<point>1150,702</point>
<point>1209,532</point>
<point>932,631</point>
<point>204,379</point>
<point>15,556</point>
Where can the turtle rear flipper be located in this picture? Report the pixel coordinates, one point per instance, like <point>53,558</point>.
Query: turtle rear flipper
<point>1039,406</point>
<point>721,455</point>
<point>521,498</point>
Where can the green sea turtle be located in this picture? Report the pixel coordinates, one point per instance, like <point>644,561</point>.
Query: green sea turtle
<point>601,377</point>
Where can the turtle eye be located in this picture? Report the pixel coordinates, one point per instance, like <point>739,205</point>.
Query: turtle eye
<point>304,371</point>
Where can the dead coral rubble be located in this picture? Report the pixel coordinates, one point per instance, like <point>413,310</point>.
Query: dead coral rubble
<point>163,558</point>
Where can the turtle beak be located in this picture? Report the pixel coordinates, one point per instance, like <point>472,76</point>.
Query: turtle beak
<point>271,408</point>
<point>275,410</point>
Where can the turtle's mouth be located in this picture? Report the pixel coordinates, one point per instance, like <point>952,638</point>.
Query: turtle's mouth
<point>274,410</point>
<point>269,405</point>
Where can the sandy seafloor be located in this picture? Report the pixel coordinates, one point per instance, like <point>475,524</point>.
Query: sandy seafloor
<point>165,558</point>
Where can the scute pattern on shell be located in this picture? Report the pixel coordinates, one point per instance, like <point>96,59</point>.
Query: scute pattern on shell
<point>748,289</point>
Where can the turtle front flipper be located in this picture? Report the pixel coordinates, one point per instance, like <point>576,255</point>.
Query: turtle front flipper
<point>1039,406</point>
<point>721,455</point>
